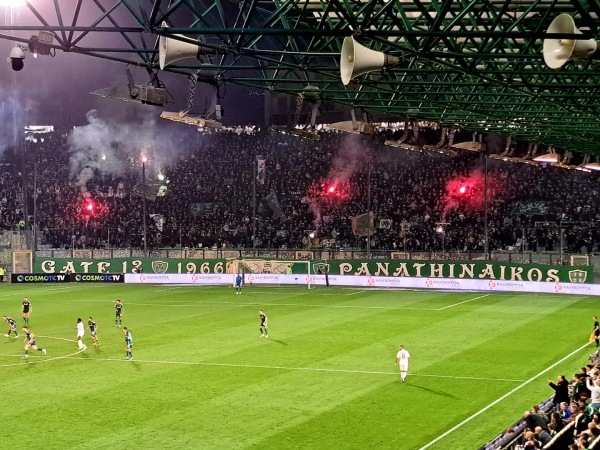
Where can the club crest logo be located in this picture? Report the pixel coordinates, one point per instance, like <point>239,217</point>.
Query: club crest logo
<point>159,266</point>
<point>321,268</point>
<point>492,284</point>
<point>577,276</point>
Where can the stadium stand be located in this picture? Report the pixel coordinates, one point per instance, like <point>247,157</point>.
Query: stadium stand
<point>208,197</point>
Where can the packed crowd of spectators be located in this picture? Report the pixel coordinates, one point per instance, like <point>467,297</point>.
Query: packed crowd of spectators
<point>318,187</point>
<point>571,420</point>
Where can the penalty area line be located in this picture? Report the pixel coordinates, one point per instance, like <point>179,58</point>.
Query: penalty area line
<point>463,302</point>
<point>305,369</point>
<point>508,394</point>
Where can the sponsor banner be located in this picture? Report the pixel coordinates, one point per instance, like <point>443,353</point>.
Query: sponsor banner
<point>426,283</point>
<point>180,278</point>
<point>477,270</point>
<point>97,278</point>
<point>39,278</point>
<point>128,265</point>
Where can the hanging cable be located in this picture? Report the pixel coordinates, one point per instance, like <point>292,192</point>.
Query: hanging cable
<point>193,82</point>
<point>299,102</point>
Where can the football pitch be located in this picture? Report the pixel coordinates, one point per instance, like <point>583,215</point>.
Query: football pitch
<point>326,378</point>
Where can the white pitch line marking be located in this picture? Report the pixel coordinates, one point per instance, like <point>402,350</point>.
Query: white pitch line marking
<point>495,402</point>
<point>306,369</point>
<point>357,292</point>
<point>246,305</point>
<point>460,303</point>
<point>13,295</point>
<point>46,359</point>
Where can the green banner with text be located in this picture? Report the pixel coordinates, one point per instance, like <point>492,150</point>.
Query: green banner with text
<point>492,270</point>
<point>128,265</point>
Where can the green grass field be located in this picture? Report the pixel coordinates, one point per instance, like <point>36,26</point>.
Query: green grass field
<point>325,379</point>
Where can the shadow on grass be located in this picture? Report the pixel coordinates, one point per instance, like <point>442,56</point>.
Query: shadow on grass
<point>135,365</point>
<point>432,391</point>
<point>279,342</point>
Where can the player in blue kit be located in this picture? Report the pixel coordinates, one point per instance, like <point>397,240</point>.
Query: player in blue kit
<point>238,284</point>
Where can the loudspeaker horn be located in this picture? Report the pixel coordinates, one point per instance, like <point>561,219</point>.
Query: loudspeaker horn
<point>357,59</point>
<point>557,52</point>
<point>171,50</point>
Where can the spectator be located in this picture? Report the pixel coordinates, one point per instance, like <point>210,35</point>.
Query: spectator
<point>542,436</point>
<point>537,410</point>
<point>594,388</point>
<point>534,420</point>
<point>565,412</point>
<point>561,391</point>
<point>556,421</point>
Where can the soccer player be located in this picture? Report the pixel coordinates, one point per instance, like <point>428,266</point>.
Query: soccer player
<point>263,324</point>
<point>12,326</point>
<point>118,313</point>
<point>128,344</point>
<point>596,331</point>
<point>30,343</point>
<point>403,359</point>
<point>93,330</point>
<point>80,333</point>
<point>238,284</point>
<point>26,310</point>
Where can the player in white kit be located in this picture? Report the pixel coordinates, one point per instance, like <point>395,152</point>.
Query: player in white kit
<point>403,359</point>
<point>80,332</point>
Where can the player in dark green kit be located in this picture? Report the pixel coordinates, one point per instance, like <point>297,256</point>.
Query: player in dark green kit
<point>264,332</point>
<point>26,310</point>
<point>93,332</point>
<point>30,343</point>
<point>118,313</point>
<point>12,326</point>
<point>128,344</point>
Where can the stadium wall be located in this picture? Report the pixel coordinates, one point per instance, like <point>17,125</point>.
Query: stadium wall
<point>129,265</point>
<point>369,282</point>
<point>392,268</point>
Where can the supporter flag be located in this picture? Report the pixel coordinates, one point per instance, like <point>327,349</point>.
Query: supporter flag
<point>385,224</point>
<point>362,225</point>
<point>531,208</point>
<point>201,209</point>
<point>159,221</point>
<point>262,170</point>
<point>273,203</point>
<point>151,190</point>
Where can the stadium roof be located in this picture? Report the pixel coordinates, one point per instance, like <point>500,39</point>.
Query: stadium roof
<point>476,65</point>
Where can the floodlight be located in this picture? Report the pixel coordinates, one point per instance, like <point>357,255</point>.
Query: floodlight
<point>551,157</point>
<point>197,121</point>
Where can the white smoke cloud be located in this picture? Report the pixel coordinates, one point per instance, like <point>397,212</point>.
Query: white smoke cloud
<point>115,148</point>
<point>13,111</point>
